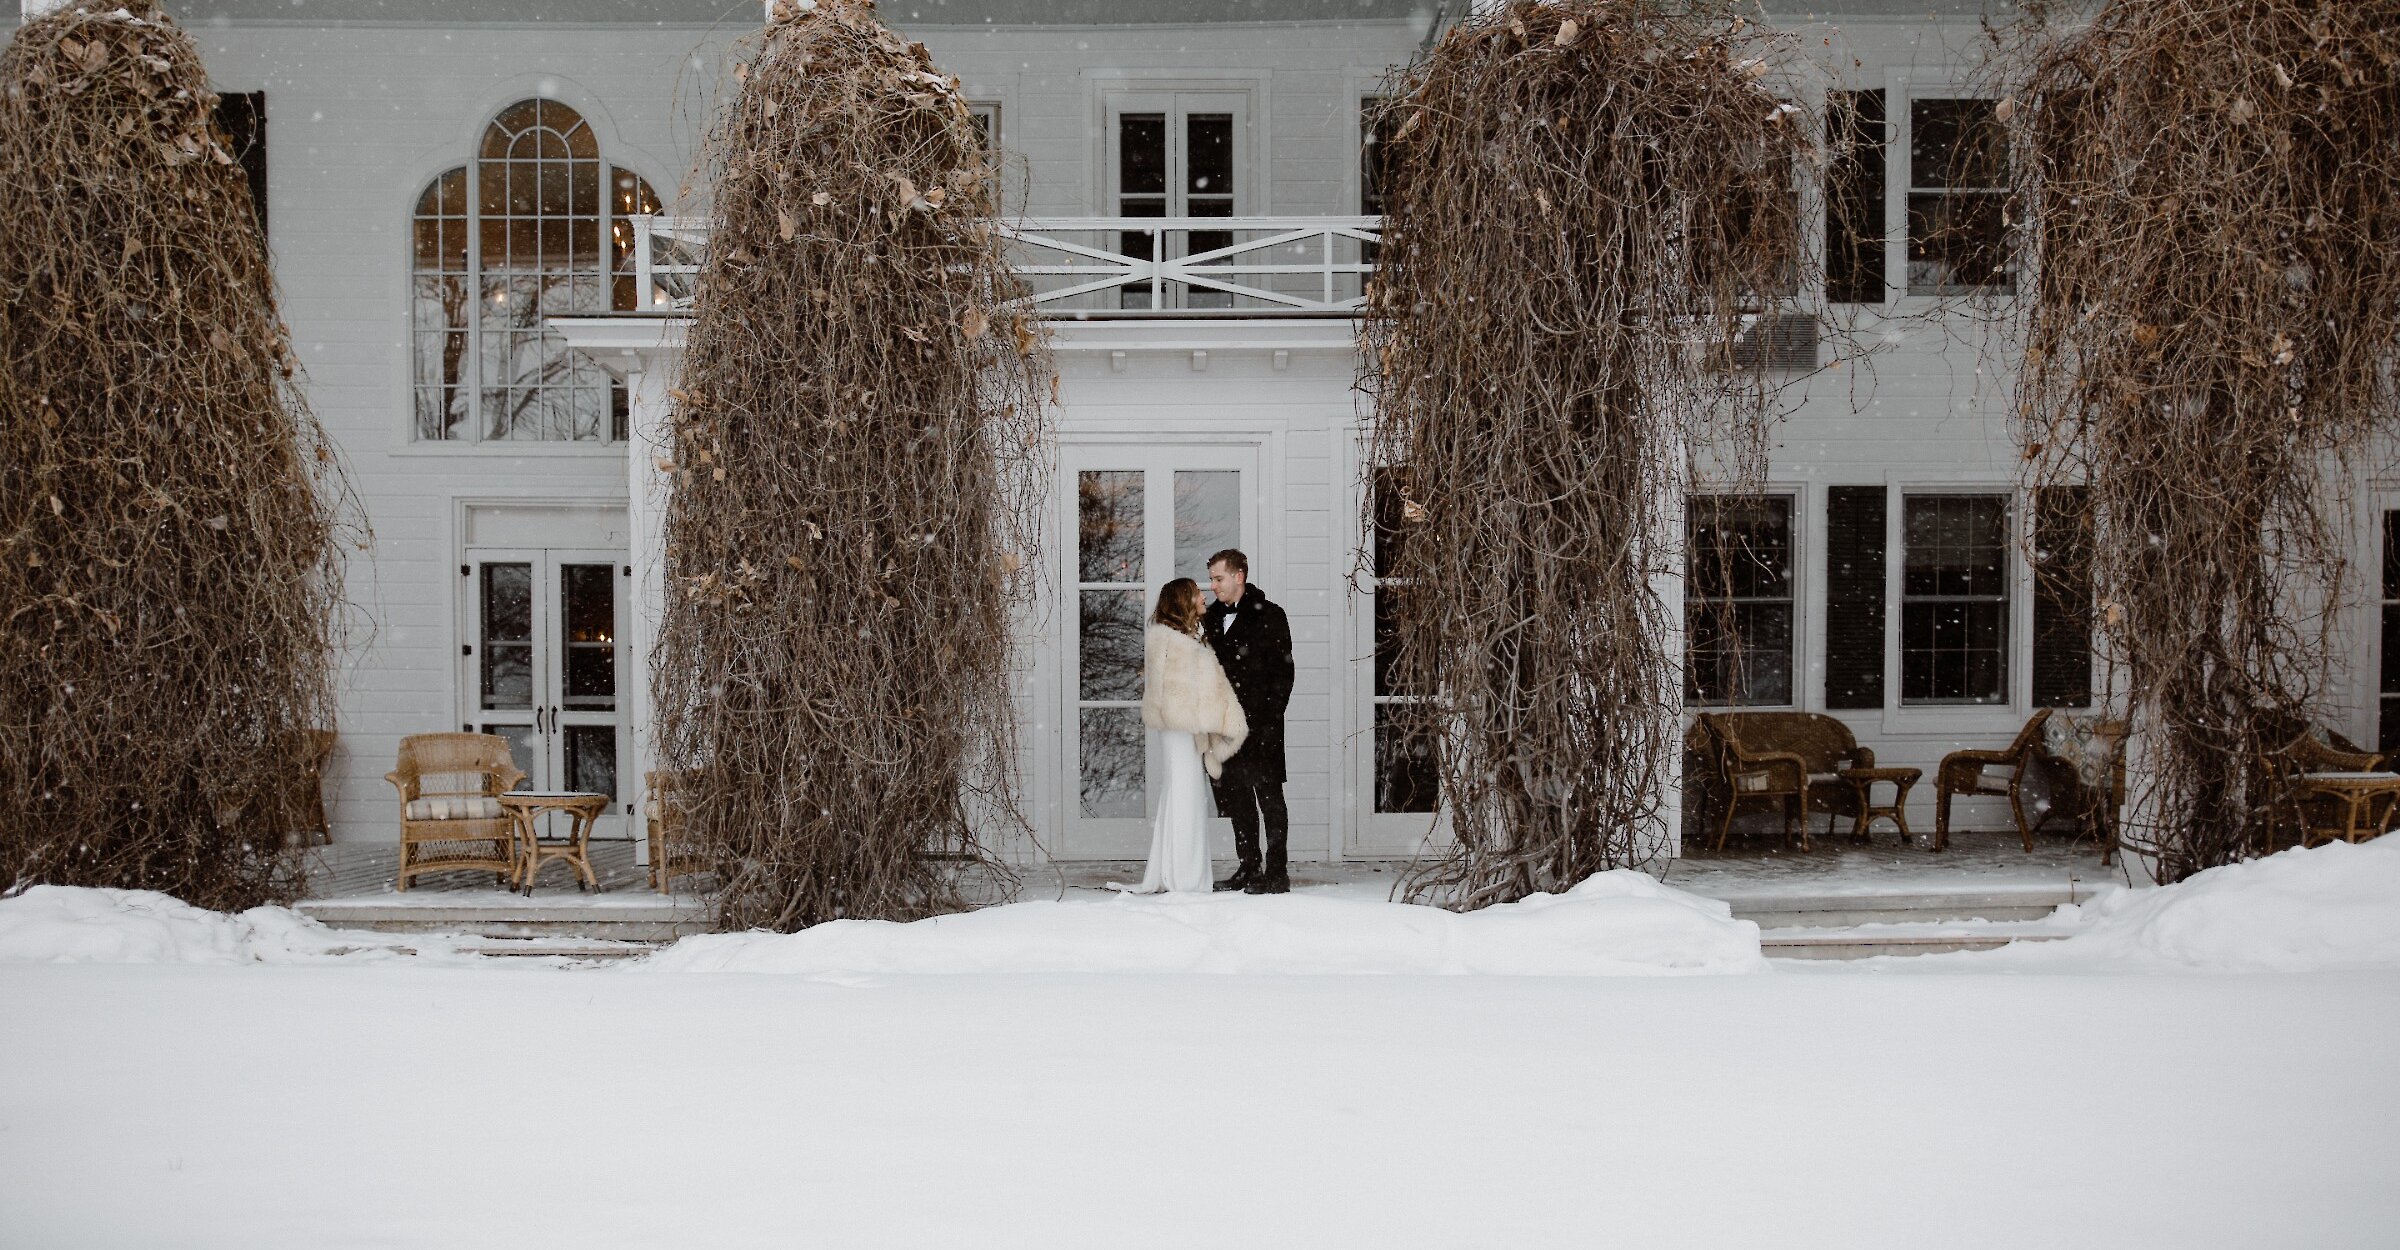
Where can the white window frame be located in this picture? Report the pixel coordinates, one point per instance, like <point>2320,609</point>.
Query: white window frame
<point>472,435</point>
<point>2016,649</point>
<point>1902,91</point>
<point>1802,546</point>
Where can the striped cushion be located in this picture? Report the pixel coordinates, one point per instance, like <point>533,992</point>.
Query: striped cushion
<point>454,807</point>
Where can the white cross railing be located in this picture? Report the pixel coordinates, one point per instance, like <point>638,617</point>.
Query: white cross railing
<point>1114,266</point>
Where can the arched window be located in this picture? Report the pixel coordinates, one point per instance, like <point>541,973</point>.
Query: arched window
<point>500,243</point>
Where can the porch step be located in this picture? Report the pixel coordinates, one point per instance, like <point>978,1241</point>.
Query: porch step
<point>597,921</point>
<point>1991,902</point>
<point>1869,941</point>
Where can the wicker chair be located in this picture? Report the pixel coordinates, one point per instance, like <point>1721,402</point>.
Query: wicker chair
<point>1790,759</point>
<point>450,817</point>
<point>1999,774</point>
<point>2291,751</point>
<point>669,855</point>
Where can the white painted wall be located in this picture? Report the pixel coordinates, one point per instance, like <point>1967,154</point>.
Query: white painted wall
<point>361,116</point>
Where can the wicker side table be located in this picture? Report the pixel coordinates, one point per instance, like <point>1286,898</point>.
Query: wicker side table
<point>525,809</point>
<point>2364,800</point>
<point>1863,780</point>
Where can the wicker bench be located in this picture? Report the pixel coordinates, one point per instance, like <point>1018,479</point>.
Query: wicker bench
<point>1790,760</point>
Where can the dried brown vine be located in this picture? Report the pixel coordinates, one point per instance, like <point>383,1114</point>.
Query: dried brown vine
<point>858,440</point>
<point>1585,204</point>
<point>169,508</point>
<point>2211,325</point>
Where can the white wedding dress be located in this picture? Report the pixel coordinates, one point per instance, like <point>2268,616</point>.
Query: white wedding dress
<point>1179,831</point>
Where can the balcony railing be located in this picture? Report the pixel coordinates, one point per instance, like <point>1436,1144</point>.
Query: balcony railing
<point>1115,266</point>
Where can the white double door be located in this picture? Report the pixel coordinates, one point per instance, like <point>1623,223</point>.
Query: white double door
<point>543,668</point>
<point>1141,514</point>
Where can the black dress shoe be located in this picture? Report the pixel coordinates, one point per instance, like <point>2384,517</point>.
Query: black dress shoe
<point>1264,884</point>
<point>1240,880</point>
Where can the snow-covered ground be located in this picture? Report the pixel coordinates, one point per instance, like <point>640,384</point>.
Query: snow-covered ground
<point>255,1081</point>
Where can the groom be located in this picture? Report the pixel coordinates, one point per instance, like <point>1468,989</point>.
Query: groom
<point>1253,642</point>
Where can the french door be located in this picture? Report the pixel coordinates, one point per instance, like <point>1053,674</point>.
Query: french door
<point>1143,515</point>
<point>1394,777</point>
<point>543,669</point>
<point>1176,154</point>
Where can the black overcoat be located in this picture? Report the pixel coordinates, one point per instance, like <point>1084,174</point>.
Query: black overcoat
<point>1257,655</point>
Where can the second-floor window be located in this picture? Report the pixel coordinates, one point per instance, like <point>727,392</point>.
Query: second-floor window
<point>531,228</point>
<point>1176,154</point>
<point>1957,198</point>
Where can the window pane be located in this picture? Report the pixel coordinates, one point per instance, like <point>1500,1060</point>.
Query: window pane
<point>1112,763</point>
<point>2391,555</point>
<point>1739,653</point>
<point>1208,164</point>
<point>591,752</point>
<point>1389,601</point>
<point>1954,609</point>
<point>1396,516</point>
<point>507,608</point>
<point>1108,545</point>
<point>1109,650</point>
<point>1956,143</point>
<point>1372,131</point>
<point>1741,548</point>
<point>1208,518</point>
<point>588,602</point>
<point>1953,651</point>
<point>1142,154</point>
<point>1956,545</point>
<point>1738,608</point>
<point>1957,243</point>
<point>521,752</point>
<point>1407,776</point>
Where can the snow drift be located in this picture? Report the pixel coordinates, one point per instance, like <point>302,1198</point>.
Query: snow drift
<point>1614,923</point>
<point>2333,908</point>
<point>64,924</point>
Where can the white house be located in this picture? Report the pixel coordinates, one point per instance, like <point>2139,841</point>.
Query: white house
<point>444,181</point>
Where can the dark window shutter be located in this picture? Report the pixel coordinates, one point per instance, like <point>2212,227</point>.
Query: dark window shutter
<point>1854,592</point>
<point>242,116</point>
<point>1856,130</point>
<point>2062,597</point>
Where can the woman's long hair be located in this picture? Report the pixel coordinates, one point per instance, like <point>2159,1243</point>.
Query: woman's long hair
<point>1179,606</point>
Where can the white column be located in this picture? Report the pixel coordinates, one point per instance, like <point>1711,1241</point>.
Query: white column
<point>1665,837</point>
<point>649,451</point>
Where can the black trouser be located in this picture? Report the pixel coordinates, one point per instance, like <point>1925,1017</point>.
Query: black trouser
<point>1245,804</point>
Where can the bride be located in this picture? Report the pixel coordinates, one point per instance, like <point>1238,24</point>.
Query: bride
<point>1186,698</point>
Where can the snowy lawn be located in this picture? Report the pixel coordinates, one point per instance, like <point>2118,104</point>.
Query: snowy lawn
<point>259,1082</point>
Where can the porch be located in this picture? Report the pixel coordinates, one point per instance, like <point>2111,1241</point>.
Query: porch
<point>1836,900</point>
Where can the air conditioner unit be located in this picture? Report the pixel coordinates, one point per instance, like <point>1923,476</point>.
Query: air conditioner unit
<point>1780,341</point>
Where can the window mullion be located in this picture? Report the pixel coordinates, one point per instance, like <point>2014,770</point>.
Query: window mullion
<point>471,374</point>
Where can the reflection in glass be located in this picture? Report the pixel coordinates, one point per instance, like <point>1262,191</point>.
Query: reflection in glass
<point>507,607</point>
<point>1108,544</point>
<point>1407,776</point>
<point>591,759</point>
<point>588,599</point>
<point>1112,762</point>
<point>1208,518</point>
<point>1954,599</point>
<point>1738,606</point>
<point>1388,600</point>
<point>1109,649</point>
<point>522,751</point>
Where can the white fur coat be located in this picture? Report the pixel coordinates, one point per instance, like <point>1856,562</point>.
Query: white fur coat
<point>1184,688</point>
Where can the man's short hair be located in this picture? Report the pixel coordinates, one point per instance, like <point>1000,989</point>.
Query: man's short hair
<point>1233,559</point>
